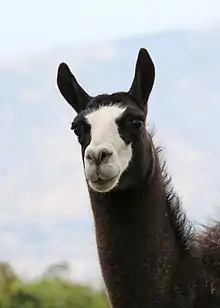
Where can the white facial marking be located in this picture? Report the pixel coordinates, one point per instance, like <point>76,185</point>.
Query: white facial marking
<point>105,135</point>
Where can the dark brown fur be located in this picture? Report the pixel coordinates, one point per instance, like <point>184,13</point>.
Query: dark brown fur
<point>145,245</point>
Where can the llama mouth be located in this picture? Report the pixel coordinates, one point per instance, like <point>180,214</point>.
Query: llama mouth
<point>101,185</point>
<point>100,181</point>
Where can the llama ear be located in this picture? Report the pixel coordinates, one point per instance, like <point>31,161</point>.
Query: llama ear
<point>70,89</point>
<point>143,79</point>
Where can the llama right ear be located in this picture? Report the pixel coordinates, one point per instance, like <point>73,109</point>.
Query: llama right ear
<point>143,79</point>
<point>70,89</point>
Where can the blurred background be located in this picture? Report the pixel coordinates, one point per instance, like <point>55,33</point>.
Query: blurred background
<point>46,226</point>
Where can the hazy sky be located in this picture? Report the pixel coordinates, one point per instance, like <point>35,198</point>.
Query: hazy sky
<point>35,25</point>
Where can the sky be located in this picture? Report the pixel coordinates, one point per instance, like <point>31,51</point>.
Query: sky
<point>45,220</point>
<point>32,26</point>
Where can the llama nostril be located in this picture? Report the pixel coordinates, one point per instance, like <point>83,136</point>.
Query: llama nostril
<point>91,157</point>
<point>98,157</point>
<point>105,155</point>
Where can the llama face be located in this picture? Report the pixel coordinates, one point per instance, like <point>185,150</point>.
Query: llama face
<point>107,156</point>
<point>107,135</point>
<point>109,132</point>
<point>110,128</point>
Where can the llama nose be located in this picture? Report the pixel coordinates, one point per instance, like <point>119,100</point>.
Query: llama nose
<point>98,156</point>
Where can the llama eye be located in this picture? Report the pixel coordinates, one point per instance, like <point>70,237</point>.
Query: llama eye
<point>77,132</point>
<point>137,124</point>
<point>81,130</point>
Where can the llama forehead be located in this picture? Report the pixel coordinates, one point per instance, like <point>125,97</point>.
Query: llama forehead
<point>103,122</point>
<point>108,113</point>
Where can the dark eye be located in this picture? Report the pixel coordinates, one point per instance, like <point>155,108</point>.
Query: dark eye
<point>137,124</point>
<point>77,131</point>
<point>81,130</point>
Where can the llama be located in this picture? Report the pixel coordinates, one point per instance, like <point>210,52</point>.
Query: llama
<point>148,253</point>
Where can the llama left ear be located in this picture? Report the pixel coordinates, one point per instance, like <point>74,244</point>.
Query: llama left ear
<point>143,79</point>
<point>70,88</point>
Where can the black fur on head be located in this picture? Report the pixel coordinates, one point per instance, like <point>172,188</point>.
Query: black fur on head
<point>130,125</point>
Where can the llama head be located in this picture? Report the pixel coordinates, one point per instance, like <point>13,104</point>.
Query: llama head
<point>111,128</point>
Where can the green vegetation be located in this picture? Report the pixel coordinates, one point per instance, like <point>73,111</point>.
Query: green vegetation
<point>51,290</point>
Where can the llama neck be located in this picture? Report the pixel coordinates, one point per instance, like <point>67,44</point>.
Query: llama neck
<point>136,243</point>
